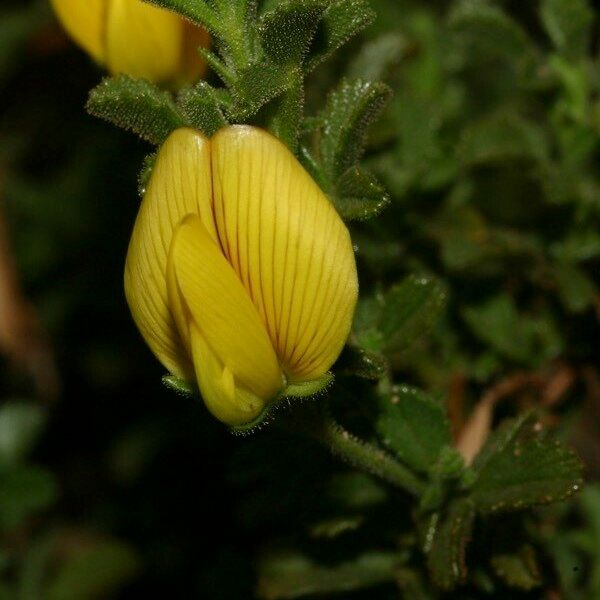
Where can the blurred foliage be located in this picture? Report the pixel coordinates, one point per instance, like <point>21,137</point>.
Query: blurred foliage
<point>479,280</point>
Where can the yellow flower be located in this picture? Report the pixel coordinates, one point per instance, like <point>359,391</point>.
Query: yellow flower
<point>134,38</point>
<point>240,273</point>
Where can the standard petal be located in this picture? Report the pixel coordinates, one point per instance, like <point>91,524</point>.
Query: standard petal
<point>222,312</point>
<point>180,185</point>
<point>143,41</point>
<point>288,245</point>
<point>84,21</point>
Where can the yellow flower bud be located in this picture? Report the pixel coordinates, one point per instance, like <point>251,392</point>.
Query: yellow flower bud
<point>240,273</point>
<point>134,38</point>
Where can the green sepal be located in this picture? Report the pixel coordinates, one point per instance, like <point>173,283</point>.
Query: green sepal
<point>146,173</point>
<point>288,29</point>
<point>181,386</point>
<point>518,468</point>
<point>136,105</point>
<point>294,391</point>
<point>309,389</point>
<point>201,108</point>
<point>341,21</point>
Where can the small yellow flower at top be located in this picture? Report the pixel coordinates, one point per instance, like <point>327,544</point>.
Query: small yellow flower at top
<point>240,273</point>
<point>133,38</point>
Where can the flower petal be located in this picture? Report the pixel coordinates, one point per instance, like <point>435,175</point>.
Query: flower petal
<point>227,401</point>
<point>288,245</point>
<point>222,312</point>
<point>180,185</point>
<point>143,41</point>
<point>84,22</point>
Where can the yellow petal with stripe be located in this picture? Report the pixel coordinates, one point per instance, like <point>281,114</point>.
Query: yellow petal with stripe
<point>84,21</point>
<point>235,363</point>
<point>288,245</point>
<point>143,40</point>
<point>180,185</point>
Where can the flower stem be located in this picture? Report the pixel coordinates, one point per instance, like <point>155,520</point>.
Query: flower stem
<point>363,455</point>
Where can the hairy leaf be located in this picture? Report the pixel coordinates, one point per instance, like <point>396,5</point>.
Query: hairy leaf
<point>136,105</point>
<point>517,468</point>
<point>414,426</point>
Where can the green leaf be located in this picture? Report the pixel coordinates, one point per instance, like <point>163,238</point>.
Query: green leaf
<point>358,195</point>
<point>201,109</point>
<point>197,11</point>
<point>518,570</point>
<point>568,23</point>
<point>288,29</point>
<point>24,491</point>
<point>502,137</point>
<point>136,105</point>
<point>577,290</point>
<point>349,112</point>
<point>20,426</point>
<point>446,556</point>
<point>409,311</point>
<point>341,21</point>
<point>255,86</point>
<point>293,575</point>
<point>361,363</point>
<point>376,58</point>
<point>287,114</point>
<point>413,426</point>
<point>94,572</point>
<point>487,30</point>
<point>518,468</point>
<point>526,340</point>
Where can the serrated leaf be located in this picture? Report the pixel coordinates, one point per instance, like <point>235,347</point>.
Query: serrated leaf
<point>446,557</point>
<point>568,23</point>
<point>288,29</point>
<point>358,195</point>
<point>517,468</point>
<point>201,108</point>
<point>413,426</point>
<point>350,110</point>
<point>341,21</point>
<point>519,570</point>
<point>293,575</point>
<point>136,105</point>
<point>257,85</point>
<point>409,311</point>
<point>502,137</point>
